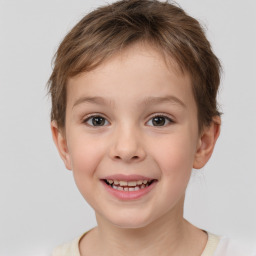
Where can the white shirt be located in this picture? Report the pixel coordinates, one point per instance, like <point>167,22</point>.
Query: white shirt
<point>228,247</point>
<point>216,246</point>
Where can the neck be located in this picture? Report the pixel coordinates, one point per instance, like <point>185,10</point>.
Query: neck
<point>169,235</point>
<point>146,240</point>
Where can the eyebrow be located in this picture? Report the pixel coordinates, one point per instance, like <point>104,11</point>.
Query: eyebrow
<point>147,101</point>
<point>95,100</point>
<point>165,99</point>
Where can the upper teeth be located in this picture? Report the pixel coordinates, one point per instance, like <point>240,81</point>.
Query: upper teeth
<point>127,183</point>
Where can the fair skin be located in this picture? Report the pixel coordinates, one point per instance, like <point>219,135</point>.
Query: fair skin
<point>135,115</point>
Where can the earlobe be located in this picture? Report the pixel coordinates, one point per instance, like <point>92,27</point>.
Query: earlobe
<point>206,143</point>
<point>61,144</point>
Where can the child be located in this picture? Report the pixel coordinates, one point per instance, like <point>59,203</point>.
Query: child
<point>133,111</point>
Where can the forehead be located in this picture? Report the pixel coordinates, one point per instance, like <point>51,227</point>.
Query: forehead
<point>137,71</point>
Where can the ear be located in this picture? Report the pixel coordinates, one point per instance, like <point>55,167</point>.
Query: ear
<point>207,142</point>
<point>61,144</point>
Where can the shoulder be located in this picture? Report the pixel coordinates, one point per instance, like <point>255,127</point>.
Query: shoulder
<point>67,249</point>
<point>229,247</point>
<point>223,246</point>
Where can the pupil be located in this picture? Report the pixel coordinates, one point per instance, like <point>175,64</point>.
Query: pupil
<point>98,121</point>
<point>158,121</point>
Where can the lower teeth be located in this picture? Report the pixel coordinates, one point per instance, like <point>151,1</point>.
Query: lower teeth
<point>129,188</point>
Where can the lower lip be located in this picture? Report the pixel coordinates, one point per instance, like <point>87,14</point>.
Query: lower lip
<point>128,195</point>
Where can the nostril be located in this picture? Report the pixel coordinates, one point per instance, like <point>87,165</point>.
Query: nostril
<point>132,158</point>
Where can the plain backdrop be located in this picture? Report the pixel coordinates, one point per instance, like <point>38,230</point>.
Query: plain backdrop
<point>40,206</point>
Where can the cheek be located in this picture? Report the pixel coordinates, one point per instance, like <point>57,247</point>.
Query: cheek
<point>85,158</point>
<point>175,160</point>
<point>175,156</point>
<point>85,154</point>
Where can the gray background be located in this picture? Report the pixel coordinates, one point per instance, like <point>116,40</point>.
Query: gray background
<point>40,206</point>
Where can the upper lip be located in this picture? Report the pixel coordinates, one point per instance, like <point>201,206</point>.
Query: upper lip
<point>123,177</point>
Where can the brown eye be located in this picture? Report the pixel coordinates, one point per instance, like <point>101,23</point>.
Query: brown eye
<point>159,121</point>
<point>96,121</point>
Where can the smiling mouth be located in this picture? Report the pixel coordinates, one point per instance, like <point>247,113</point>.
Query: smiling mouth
<point>129,185</point>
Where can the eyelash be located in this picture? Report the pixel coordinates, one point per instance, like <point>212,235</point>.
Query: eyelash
<point>169,120</point>
<point>93,116</point>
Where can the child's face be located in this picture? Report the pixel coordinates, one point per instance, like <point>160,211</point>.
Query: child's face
<point>131,116</point>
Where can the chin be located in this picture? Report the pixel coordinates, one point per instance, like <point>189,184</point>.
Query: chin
<point>128,217</point>
<point>130,222</point>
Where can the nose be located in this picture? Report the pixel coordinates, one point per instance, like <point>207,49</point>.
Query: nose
<point>127,146</point>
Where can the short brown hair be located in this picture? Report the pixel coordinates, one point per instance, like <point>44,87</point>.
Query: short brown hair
<point>114,27</point>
